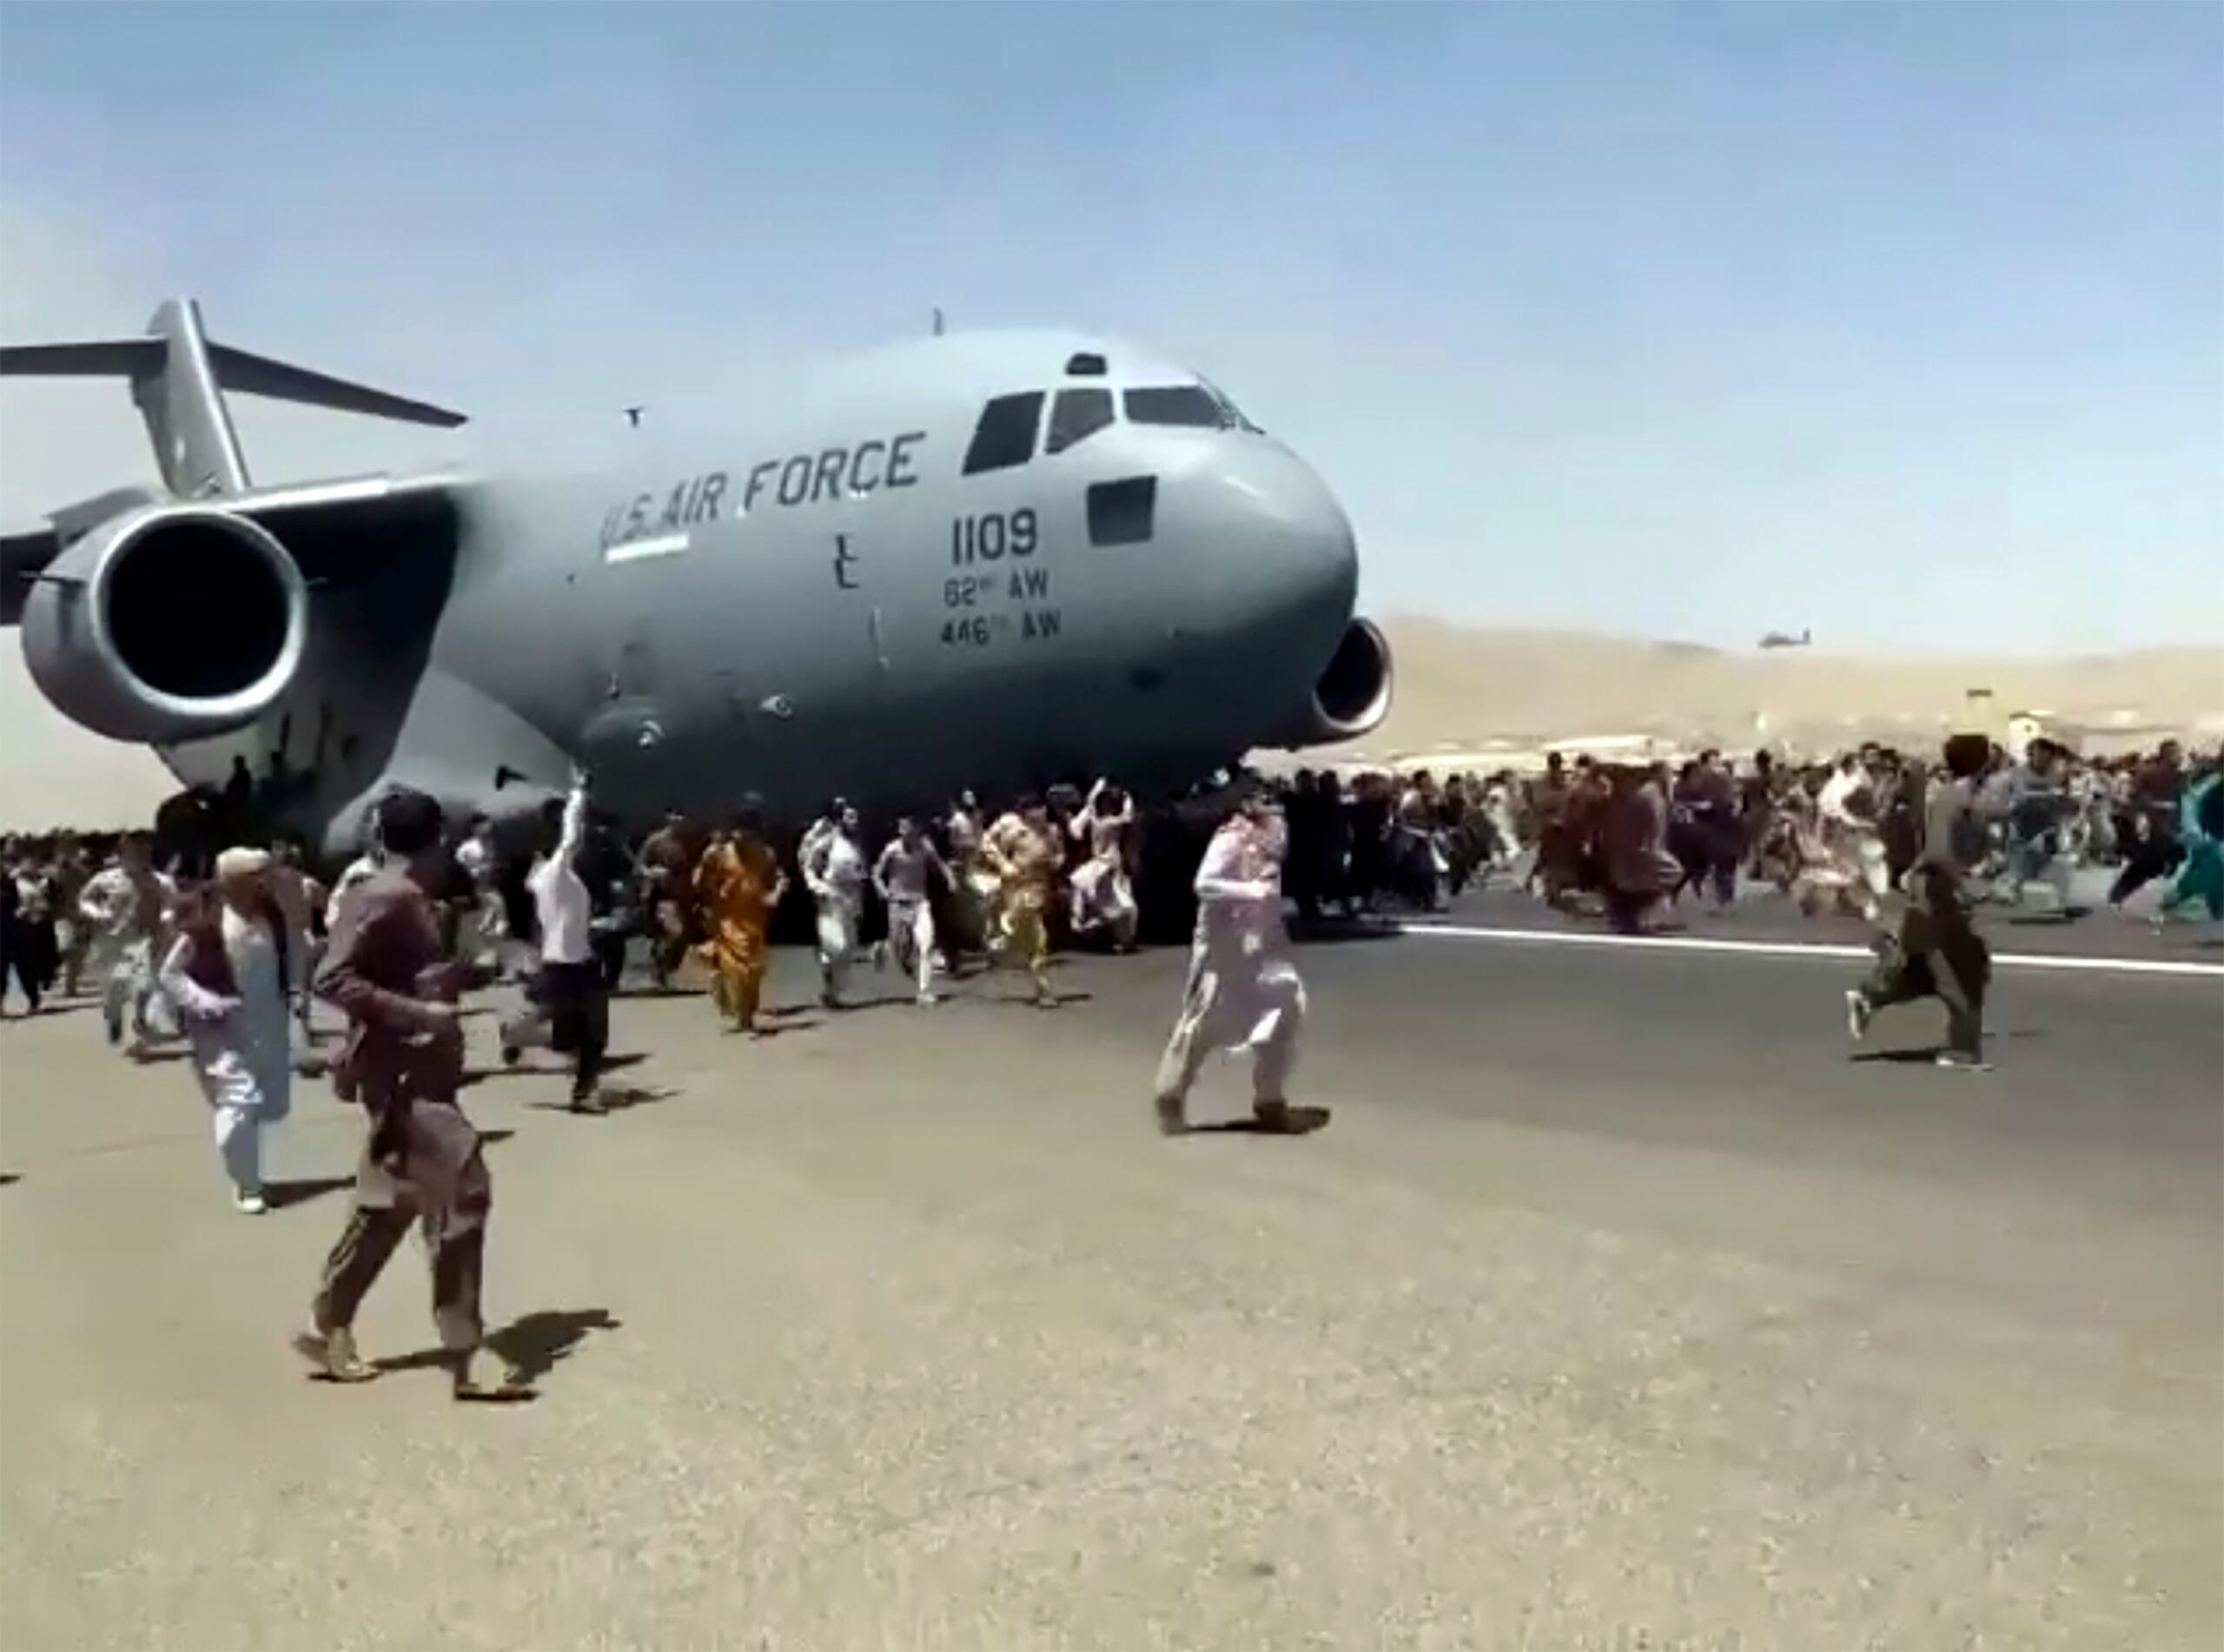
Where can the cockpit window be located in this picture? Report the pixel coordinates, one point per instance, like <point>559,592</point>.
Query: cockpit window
<point>1191,406</point>
<point>1123,513</point>
<point>1005,436</point>
<point>1235,416</point>
<point>1075,415</point>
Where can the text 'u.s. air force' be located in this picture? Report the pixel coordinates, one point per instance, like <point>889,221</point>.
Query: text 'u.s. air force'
<point>793,479</point>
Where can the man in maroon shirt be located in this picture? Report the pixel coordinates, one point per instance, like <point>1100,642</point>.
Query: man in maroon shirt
<point>386,970</point>
<point>2154,848</point>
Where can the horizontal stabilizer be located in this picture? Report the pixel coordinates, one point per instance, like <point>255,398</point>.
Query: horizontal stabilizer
<point>258,375</point>
<point>101,359</point>
<point>236,369</point>
<point>178,376</point>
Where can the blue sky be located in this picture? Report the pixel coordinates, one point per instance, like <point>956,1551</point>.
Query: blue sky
<point>1905,323</point>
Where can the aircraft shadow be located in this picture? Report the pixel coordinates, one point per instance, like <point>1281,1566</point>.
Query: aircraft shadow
<point>9,1180</point>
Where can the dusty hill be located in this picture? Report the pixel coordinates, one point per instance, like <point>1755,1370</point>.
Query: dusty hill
<point>1458,684</point>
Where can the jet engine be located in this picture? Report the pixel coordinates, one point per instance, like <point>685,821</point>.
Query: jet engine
<point>1352,696</point>
<point>169,623</point>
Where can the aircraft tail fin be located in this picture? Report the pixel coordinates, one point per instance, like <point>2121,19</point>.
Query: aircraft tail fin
<point>178,379</point>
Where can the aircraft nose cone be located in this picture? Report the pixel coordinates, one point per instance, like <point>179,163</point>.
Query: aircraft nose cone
<point>1272,579</point>
<point>1284,534</point>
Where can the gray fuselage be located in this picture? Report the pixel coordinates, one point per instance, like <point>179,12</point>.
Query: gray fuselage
<point>873,593</point>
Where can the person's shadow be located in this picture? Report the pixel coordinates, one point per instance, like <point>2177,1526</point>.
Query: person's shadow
<point>537,1343</point>
<point>533,1345</point>
<point>1298,1121</point>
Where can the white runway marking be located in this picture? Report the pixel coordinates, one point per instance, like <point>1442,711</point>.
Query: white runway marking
<point>2085,963</point>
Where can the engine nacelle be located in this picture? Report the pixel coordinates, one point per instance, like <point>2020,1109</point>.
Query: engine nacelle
<point>1352,696</point>
<point>169,623</point>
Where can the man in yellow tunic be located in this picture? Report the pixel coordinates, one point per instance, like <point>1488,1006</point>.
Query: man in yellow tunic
<point>737,886</point>
<point>1021,850</point>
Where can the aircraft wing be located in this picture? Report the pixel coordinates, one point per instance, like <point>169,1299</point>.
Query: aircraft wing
<point>336,531</point>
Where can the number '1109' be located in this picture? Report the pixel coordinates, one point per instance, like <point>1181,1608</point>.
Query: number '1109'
<point>991,537</point>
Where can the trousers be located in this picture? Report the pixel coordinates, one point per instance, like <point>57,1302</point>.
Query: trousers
<point>444,1187</point>
<point>911,937</point>
<point>1250,1005</point>
<point>1936,954</point>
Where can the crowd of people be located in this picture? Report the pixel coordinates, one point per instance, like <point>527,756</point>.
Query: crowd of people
<point>1633,838</point>
<point>225,946</point>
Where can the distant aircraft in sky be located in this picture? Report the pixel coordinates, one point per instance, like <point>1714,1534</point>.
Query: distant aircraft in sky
<point>976,559</point>
<point>1782,639</point>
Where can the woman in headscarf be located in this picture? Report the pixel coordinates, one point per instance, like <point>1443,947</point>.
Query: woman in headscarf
<point>227,971</point>
<point>737,888</point>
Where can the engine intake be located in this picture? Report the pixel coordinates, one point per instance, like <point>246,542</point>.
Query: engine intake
<point>1352,696</point>
<point>170,624</point>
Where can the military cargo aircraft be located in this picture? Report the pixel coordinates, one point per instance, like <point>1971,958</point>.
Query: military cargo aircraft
<point>984,560</point>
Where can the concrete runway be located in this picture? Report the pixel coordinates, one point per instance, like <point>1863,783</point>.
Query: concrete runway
<point>1617,1306</point>
<point>1761,914</point>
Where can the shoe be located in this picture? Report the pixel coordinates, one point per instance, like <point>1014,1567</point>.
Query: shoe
<point>1271,1115</point>
<point>590,1104</point>
<point>1858,1013</point>
<point>332,1354</point>
<point>510,1387</point>
<point>927,1000</point>
<point>248,1204</point>
<point>1171,1121</point>
<point>1960,1062</point>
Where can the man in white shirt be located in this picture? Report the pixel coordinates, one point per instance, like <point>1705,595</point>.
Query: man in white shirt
<point>1847,806</point>
<point>902,876</point>
<point>125,905</point>
<point>571,987</point>
<point>1242,992</point>
<point>835,871</point>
